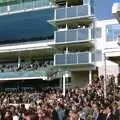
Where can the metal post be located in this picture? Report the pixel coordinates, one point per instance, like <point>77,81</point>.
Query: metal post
<point>105,85</point>
<point>64,77</point>
<point>90,77</point>
<point>19,61</point>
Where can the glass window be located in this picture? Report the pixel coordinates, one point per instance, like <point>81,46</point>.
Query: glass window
<point>86,2</point>
<point>113,31</point>
<point>96,33</point>
<point>98,55</point>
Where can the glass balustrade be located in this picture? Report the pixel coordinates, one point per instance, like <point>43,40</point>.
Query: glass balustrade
<point>73,11</point>
<point>24,6</point>
<point>3,9</point>
<point>74,35</point>
<point>35,73</point>
<point>73,58</point>
<point>77,35</point>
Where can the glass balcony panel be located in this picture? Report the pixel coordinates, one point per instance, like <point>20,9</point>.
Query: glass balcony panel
<point>60,13</point>
<point>60,36</point>
<point>98,56</point>
<point>71,58</point>
<point>83,10</point>
<point>60,59</point>
<point>37,3</point>
<point>71,35</point>
<point>86,2</point>
<point>38,73</point>
<point>71,12</point>
<point>83,34</point>
<point>83,58</point>
<point>92,5</point>
<point>16,7</point>
<point>45,2</point>
<point>3,9</point>
<point>28,5</point>
<point>96,33</point>
<point>25,5</point>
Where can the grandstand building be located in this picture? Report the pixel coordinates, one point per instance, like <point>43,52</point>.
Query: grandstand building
<point>62,40</point>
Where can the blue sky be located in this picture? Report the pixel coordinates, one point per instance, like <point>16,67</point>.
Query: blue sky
<point>103,9</point>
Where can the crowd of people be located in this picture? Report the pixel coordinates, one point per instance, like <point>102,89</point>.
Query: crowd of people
<point>87,103</point>
<point>25,66</point>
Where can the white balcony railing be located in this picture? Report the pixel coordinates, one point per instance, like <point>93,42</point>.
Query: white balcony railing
<point>24,6</point>
<point>72,12</point>
<point>73,58</point>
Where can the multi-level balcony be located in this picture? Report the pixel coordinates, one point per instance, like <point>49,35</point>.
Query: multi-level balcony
<point>75,36</point>
<point>64,15</point>
<point>74,59</point>
<point>24,6</point>
<point>25,70</point>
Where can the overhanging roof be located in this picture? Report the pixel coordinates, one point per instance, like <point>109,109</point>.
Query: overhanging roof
<point>113,55</point>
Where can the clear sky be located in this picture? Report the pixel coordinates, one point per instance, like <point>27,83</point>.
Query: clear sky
<point>103,9</point>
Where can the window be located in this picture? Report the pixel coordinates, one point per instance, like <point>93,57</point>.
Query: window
<point>112,32</point>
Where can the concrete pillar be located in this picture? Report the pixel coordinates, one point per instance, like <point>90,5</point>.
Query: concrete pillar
<point>90,76</point>
<point>66,51</point>
<point>66,4</point>
<point>64,86</point>
<point>19,61</point>
<point>105,79</point>
<point>65,76</point>
<point>8,8</point>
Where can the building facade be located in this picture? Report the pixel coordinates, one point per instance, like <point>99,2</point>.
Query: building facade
<point>56,39</point>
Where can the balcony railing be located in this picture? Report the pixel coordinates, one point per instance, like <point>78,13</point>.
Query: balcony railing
<point>24,6</point>
<point>72,12</point>
<point>73,58</point>
<point>35,73</point>
<point>77,35</point>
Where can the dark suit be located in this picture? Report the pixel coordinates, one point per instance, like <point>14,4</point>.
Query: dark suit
<point>117,114</point>
<point>59,114</point>
<point>111,117</point>
<point>101,116</point>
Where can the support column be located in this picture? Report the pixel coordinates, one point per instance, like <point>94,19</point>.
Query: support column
<point>66,26</point>
<point>60,83</point>
<point>19,61</point>
<point>90,76</point>
<point>65,75</point>
<point>66,4</point>
<point>67,50</point>
<point>8,8</point>
<point>64,86</point>
<point>105,84</point>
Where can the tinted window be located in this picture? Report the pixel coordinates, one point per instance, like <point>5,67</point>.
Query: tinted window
<point>113,31</point>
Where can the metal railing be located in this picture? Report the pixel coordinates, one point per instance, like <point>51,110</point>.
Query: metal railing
<point>77,35</point>
<point>73,11</point>
<point>73,58</point>
<point>24,6</point>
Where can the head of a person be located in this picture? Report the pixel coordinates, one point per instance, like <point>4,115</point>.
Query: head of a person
<point>109,109</point>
